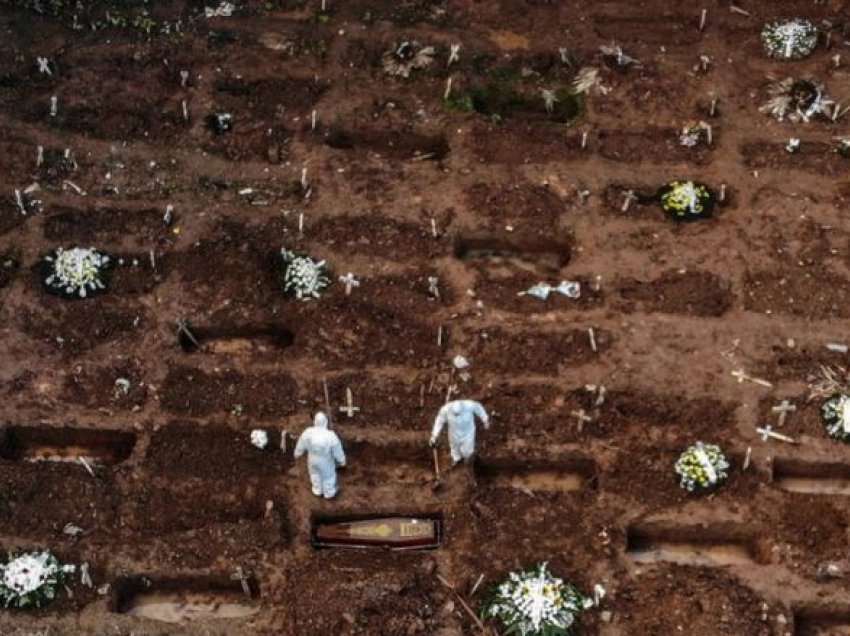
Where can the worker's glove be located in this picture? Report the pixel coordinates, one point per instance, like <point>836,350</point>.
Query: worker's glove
<point>486,425</point>
<point>433,442</point>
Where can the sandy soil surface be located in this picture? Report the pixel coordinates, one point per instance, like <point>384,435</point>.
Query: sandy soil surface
<point>404,186</point>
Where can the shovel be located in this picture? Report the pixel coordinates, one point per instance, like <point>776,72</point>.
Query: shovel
<point>437,479</point>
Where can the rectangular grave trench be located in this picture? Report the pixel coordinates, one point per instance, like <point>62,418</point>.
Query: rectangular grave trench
<point>399,145</point>
<point>66,444</point>
<point>822,620</point>
<point>814,478</point>
<point>570,474</point>
<point>386,531</point>
<point>236,339</point>
<point>180,600</point>
<point>540,253</point>
<point>725,544</point>
<point>394,463</point>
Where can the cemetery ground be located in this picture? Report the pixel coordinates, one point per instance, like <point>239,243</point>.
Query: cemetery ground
<point>683,331</point>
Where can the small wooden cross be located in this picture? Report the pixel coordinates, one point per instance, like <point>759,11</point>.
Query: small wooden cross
<point>350,282</point>
<point>44,65</point>
<point>349,409</point>
<point>581,417</point>
<point>783,408</point>
<point>767,432</point>
<point>741,375</point>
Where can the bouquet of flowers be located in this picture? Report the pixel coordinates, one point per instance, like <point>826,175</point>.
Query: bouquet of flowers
<point>303,277</point>
<point>835,413</point>
<point>259,438</point>
<point>75,273</point>
<point>31,579</point>
<point>790,40</point>
<point>686,200</point>
<point>701,467</point>
<point>535,603</point>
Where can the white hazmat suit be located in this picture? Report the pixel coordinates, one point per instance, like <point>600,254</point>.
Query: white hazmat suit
<point>324,454</point>
<point>460,416</point>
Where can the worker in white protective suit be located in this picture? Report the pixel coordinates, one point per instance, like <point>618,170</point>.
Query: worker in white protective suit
<point>324,454</point>
<point>460,416</point>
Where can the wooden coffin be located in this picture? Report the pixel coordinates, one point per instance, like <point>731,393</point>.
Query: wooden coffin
<point>394,533</point>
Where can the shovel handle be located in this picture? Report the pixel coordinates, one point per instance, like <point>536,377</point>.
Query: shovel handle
<point>436,455</point>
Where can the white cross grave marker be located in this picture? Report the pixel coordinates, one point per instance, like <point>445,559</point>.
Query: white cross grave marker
<point>783,408</point>
<point>44,65</point>
<point>349,409</point>
<point>581,417</point>
<point>350,282</point>
<point>741,375</point>
<point>767,432</point>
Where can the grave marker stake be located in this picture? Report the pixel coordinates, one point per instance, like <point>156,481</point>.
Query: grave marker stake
<point>183,326</point>
<point>86,465</point>
<point>747,458</point>
<point>19,200</point>
<point>463,603</point>
<point>327,395</point>
<point>477,583</point>
<point>241,576</point>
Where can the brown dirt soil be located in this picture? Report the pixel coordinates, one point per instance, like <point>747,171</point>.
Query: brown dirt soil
<point>489,193</point>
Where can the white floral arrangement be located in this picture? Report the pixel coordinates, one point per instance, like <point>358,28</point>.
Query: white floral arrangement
<point>303,278</point>
<point>535,603</point>
<point>32,579</point>
<point>835,413</point>
<point>695,133</point>
<point>686,200</point>
<point>76,273</point>
<point>796,99</point>
<point>701,467</point>
<point>790,40</point>
<point>259,438</point>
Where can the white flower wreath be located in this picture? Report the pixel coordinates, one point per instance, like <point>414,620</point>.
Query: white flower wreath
<point>31,579</point>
